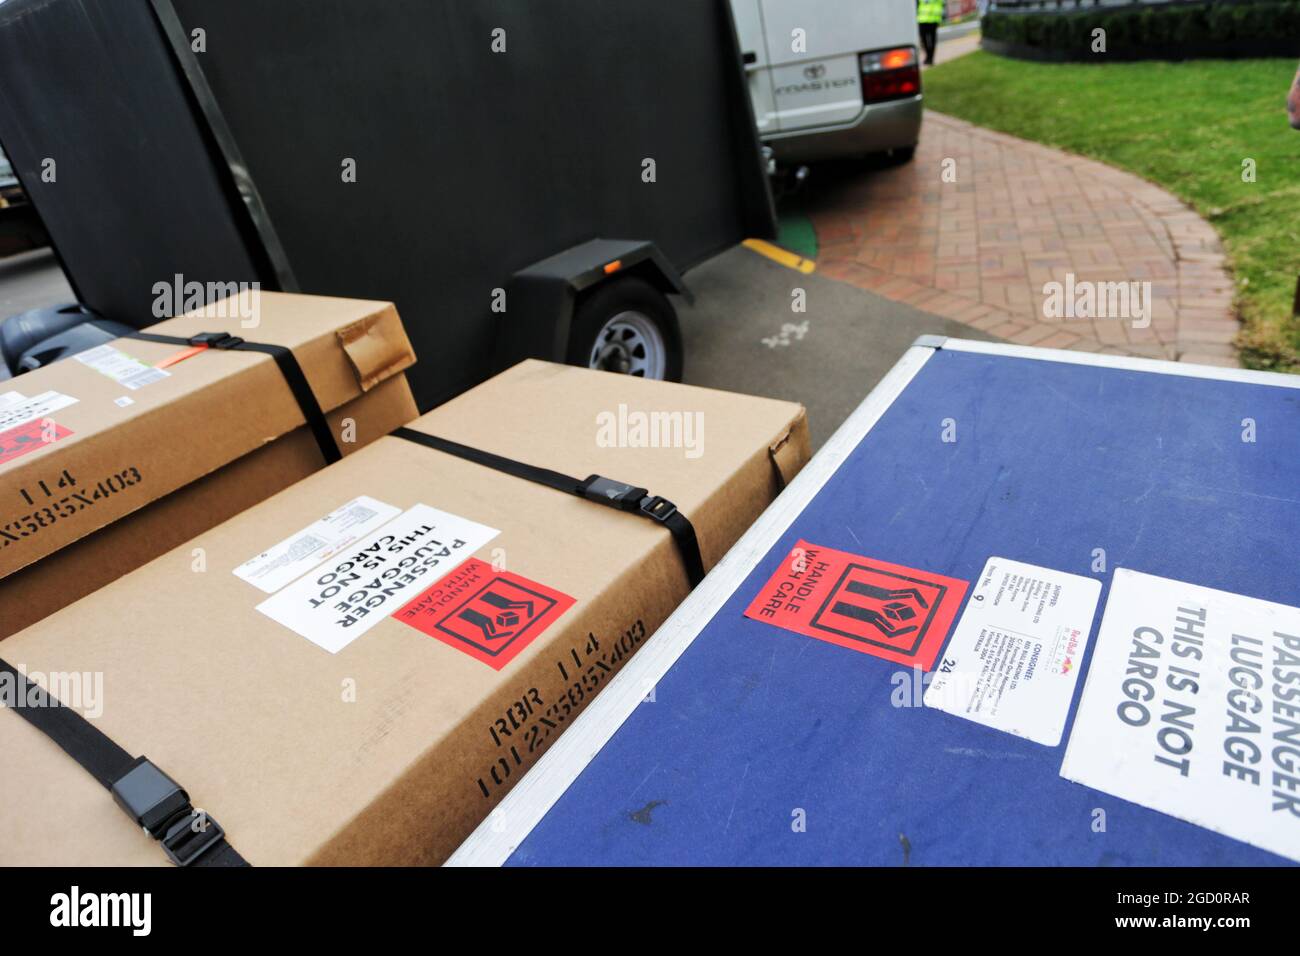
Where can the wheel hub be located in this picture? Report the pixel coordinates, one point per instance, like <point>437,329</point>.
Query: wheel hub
<point>630,343</point>
<point>614,357</point>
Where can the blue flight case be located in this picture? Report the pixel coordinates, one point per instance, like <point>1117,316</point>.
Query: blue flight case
<point>730,741</point>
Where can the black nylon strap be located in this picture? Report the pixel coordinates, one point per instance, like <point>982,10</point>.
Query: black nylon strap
<point>79,738</point>
<point>107,762</point>
<point>683,533</point>
<point>221,856</point>
<point>289,368</point>
<point>542,476</point>
<point>605,491</point>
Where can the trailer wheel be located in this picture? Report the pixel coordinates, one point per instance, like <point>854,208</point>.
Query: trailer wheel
<point>628,326</point>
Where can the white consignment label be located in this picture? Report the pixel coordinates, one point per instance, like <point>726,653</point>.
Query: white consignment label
<point>349,594</point>
<point>1015,656</point>
<point>120,367</point>
<point>15,409</point>
<point>295,556</point>
<point>1192,708</point>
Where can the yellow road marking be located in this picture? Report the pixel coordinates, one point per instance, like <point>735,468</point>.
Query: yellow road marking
<point>784,256</point>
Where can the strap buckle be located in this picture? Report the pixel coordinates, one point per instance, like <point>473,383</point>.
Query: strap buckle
<point>190,837</point>
<point>625,497</point>
<point>217,340</point>
<point>159,805</point>
<point>660,509</point>
<point>613,494</point>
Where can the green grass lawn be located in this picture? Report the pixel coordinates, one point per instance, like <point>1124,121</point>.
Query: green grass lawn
<point>1184,126</point>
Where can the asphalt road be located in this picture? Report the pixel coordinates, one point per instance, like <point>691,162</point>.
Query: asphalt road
<point>742,335</point>
<point>31,280</point>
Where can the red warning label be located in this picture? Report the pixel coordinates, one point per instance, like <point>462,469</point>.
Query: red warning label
<point>490,615</point>
<point>878,608</point>
<point>35,434</point>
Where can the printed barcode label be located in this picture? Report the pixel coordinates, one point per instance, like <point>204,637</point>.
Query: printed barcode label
<point>121,367</point>
<point>147,377</point>
<point>286,561</point>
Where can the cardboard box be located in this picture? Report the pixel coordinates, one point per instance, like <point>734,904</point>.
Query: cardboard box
<point>392,744</point>
<point>117,462</point>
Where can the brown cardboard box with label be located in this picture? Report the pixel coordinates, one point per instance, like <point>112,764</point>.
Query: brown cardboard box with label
<point>107,461</point>
<point>374,656</point>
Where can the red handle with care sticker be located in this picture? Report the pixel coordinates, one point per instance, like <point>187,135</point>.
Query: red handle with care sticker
<point>488,614</point>
<point>874,607</point>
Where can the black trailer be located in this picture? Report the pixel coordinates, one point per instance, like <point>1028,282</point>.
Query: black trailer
<point>20,227</point>
<point>522,177</point>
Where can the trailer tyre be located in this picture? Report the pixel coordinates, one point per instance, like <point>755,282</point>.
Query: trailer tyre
<point>627,326</point>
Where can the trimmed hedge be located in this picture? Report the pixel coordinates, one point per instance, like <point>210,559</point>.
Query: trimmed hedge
<point>1140,31</point>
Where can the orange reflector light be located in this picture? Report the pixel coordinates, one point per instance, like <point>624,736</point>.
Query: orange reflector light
<point>897,58</point>
<point>613,266</point>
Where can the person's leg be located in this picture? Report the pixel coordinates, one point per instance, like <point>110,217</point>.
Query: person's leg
<point>928,34</point>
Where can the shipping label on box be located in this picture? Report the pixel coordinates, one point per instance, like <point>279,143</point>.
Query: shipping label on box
<point>120,367</point>
<point>296,555</point>
<point>351,593</point>
<point>16,409</point>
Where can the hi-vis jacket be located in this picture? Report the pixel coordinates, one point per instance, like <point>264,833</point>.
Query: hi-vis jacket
<point>929,11</point>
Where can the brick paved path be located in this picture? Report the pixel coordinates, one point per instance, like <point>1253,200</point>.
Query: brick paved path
<point>1020,215</point>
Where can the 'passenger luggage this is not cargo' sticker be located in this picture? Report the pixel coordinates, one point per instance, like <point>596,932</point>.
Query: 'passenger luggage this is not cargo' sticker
<point>488,614</point>
<point>877,608</point>
<point>350,593</point>
<point>1192,708</point>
